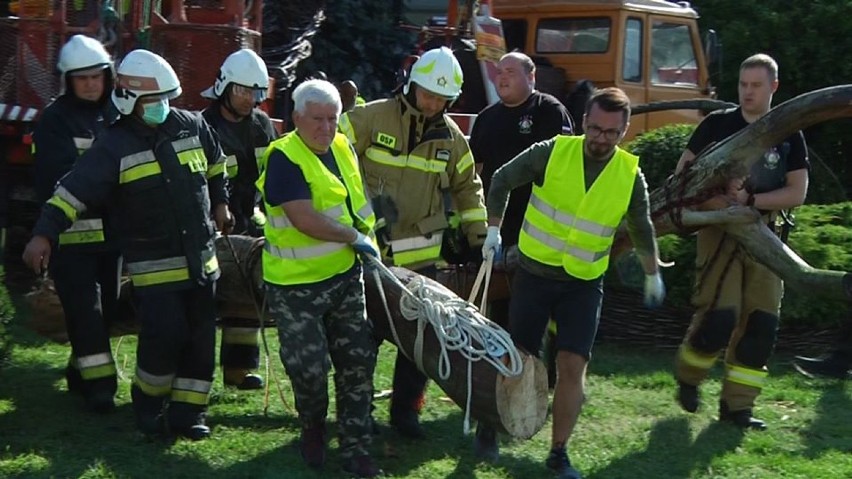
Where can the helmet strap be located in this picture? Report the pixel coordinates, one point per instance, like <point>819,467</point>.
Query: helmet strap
<point>225,100</point>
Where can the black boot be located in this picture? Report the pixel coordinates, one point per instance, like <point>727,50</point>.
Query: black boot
<point>149,412</point>
<point>687,396</point>
<point>742,418</point>
<point>485,443</point>
<point>835,364</point>
<point>73,379</point>
<point>188,420</point>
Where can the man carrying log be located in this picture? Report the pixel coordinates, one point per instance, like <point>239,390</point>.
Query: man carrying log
<point>522,117</point>
<point>420,172</point>
<point>582,188</point>
<point>318,218</point>
<point>737,299</point>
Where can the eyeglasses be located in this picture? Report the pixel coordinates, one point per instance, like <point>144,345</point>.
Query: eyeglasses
<point>595,131</point>
<point>257,94</point>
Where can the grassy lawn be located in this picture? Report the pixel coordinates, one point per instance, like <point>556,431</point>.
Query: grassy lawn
<point>630,427</point>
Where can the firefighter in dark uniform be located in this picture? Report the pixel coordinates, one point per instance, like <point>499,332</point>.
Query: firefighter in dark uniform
<point>161,172</point>
<point>244,132</point>
<point>86,264</point>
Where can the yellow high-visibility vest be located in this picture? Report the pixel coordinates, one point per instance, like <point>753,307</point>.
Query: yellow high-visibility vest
<point>565,225</point>
<point>292,257</point>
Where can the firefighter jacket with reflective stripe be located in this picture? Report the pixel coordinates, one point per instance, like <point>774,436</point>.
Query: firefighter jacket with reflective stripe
<point>291,257</point>
<point>566,225</point>
<point>243,142</point>
<point>159,185</point>
<point>417,164</point>
<point>66,129</point>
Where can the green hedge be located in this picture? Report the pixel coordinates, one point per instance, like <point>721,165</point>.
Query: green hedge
<point>822,237</point>
<point>6,313</point>
<point>659,150</point>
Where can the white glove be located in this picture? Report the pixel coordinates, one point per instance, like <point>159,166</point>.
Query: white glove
<point>655,290</point>
<point>363,244</point>
<point>491,247</point>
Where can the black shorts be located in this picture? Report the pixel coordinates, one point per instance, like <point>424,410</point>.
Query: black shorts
<point>574,304</point>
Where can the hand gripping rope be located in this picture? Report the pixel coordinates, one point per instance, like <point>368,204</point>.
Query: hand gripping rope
<point>457,324</point>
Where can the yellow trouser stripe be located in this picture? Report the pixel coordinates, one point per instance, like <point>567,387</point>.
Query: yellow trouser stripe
<point>695,359</point>
<point>746,376</point>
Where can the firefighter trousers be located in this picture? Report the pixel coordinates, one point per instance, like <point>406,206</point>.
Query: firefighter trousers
<point>240,347</point>
<point>175,356</point>
<point>737,303</point>
<point>87,284</point>
<point>409,384</point>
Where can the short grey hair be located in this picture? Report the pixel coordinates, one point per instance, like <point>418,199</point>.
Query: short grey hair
<point>320,92</point>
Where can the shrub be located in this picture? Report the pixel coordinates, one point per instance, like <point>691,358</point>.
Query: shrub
<point>659,150</point>
<point>822,237</point>
<point>6,312</point>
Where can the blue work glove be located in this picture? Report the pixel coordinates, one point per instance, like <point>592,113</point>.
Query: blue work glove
<point>363,244</point>
<point>491,247</point>
<point>655,290</point>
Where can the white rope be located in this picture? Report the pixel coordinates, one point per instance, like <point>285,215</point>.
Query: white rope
<point>457,325</point>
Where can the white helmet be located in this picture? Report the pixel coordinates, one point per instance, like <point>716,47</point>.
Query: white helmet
<point>439,72</point>
<point>245,68</point>
<point>143,73</point>
<point>82,54</point>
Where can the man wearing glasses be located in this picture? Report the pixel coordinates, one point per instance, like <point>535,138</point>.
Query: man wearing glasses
<point>582,188</point>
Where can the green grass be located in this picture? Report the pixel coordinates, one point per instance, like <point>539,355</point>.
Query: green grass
<point>630,428</point>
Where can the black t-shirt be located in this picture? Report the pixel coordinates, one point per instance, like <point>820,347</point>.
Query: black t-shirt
<point>501,132</point>
<point>766,175</point>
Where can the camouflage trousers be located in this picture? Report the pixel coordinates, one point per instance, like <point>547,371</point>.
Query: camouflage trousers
<point>319,325</point>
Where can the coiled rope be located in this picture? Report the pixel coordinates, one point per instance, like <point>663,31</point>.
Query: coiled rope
<point>457,324</point>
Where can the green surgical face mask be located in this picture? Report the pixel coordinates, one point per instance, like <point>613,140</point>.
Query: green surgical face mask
<point>155,113</point>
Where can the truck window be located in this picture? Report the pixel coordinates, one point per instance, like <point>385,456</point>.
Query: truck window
<point>631,67</point>
<point>672,55</point>
<point>573,35</point>
<point>515,34</point>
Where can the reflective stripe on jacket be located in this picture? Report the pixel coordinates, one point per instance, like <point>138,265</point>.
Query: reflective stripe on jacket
<point>566,225</point>
<point>161,182</point>
<point>292,257</point>
<point>418,163</point>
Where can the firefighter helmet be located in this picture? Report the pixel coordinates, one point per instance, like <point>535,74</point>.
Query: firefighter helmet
<point>82,53</point>
<point>245,68</point>
<point>439,72</point>
<point>143,73</point>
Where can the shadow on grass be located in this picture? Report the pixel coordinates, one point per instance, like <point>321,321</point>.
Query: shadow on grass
<point>671,452</point>
<point>40,420</point>
<point>830,429</point>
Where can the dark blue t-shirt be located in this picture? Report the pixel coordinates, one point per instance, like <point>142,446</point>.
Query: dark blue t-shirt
<point>285,180</point>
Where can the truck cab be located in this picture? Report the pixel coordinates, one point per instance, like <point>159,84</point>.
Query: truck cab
<point>651,49</point>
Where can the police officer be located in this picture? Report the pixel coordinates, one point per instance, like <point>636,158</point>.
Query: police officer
<point>244,132</point>
<point>318,218</point>
<point>161,171</point>
<point>420,171</point>
<point>86,265</point>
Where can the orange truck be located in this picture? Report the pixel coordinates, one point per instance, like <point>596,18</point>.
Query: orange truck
<point>651,49</point>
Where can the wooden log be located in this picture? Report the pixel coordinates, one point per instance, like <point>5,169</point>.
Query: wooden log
<point>515,405</point>
<point>675,205</point>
